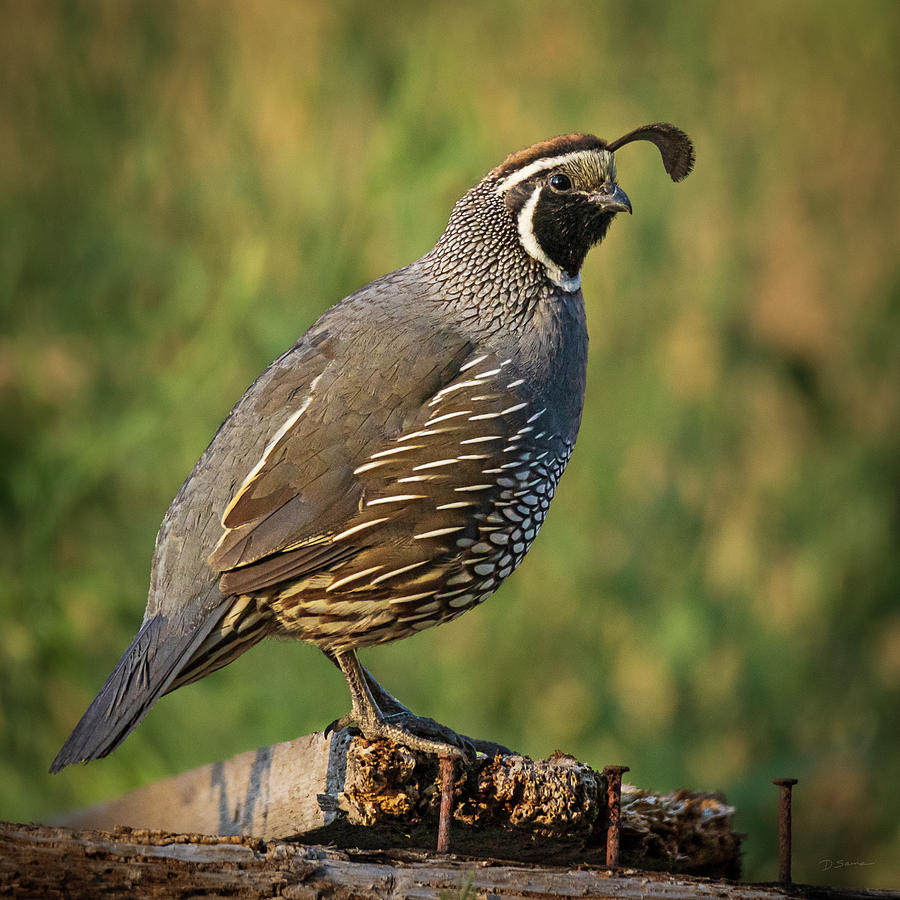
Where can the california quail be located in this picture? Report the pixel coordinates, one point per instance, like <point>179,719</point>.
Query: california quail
<point>388,471</point>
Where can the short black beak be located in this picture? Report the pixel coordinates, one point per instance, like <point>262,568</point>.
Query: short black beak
<point>611,198</point>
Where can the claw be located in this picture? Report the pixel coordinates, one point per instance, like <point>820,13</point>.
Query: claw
<point>340,724</point>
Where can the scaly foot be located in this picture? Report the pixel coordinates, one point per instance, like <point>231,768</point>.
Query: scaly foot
<point>379,715</point>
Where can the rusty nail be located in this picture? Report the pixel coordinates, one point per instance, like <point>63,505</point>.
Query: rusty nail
<point>784,828</point>
<point>443,841</point>
<point>613,775</point>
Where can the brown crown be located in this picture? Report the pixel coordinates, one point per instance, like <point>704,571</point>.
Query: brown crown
<point>565,143</point>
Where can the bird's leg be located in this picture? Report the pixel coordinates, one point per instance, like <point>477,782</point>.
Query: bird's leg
<point>392,708</point>
<point>371,721</point>
<point>389,706</point>
<point>373,706</point>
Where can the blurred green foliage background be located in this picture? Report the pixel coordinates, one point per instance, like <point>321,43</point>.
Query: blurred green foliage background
<point>185,186</point>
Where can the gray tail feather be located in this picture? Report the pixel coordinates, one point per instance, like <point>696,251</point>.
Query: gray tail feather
<point>143,674</point>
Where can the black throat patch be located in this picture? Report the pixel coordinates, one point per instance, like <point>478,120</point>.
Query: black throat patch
<point>567,226</point>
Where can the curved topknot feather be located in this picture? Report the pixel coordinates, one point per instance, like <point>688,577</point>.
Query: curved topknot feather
<point>674,147</point>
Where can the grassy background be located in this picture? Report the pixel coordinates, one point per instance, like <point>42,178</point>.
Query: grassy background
<point>185,186</point>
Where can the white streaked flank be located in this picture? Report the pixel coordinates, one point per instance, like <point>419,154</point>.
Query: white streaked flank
<point>428,432</point>
<point>396,498</point>
<point>473,362</point>
<point>394,450</point>
<point>355,528</point>
<point>347,579</point>
<point>436,464</point>
<point>450,389</point>
<point>385,575</point>
<point>480,440</point>
<point>438,532</point>
<point>409,597</point>
<point>453,415</point>
<point>365,467</point>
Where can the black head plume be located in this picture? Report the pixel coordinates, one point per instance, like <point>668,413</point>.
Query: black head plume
<point>674,147</point>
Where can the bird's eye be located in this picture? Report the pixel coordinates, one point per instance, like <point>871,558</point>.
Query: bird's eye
<point>560,182</point>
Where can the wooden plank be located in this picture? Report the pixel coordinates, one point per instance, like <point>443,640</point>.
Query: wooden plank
<point>40,862</point>
<point>350,792</point>
<point>268,793</point>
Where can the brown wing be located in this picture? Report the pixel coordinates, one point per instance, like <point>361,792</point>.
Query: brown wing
<point>445,510</point>
<point>302,489</point>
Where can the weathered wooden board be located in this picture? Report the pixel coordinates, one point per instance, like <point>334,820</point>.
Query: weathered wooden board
<point>269,793</point>
<point>350,792</point>
<point>41,863</point>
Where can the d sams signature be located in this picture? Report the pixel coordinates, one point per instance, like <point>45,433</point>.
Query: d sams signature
<point>826,864</point>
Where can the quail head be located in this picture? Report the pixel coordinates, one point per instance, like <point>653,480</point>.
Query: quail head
<point>389,470</point>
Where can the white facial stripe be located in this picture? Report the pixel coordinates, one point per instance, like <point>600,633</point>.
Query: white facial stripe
<point>533,248</point>
<point>526,229</point>
<point>551,162</point>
